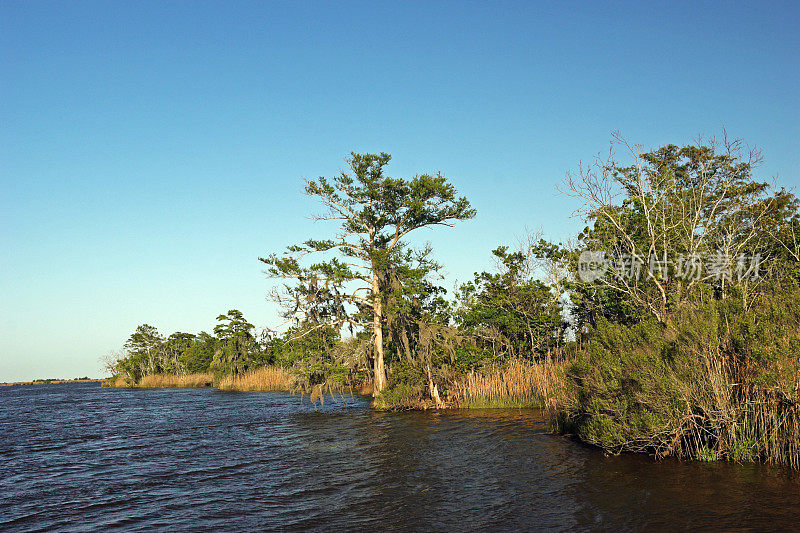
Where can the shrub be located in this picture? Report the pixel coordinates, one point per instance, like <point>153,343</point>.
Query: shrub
<point>720,381</point>
<point>407,388</point>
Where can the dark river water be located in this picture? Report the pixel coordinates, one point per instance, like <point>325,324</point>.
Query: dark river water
<point>80,457</point>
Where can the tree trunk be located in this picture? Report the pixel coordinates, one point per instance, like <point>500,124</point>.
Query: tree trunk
<point>396,325</point>
<point>433,389</point>
<point>377,334</point>
<point>406,344</point>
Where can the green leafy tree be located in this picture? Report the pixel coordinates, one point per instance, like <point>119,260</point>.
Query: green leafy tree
<point>198,356</point>
<point>375,213</point>
<point>145,349</point>
<point>511,309</point>
<point>236,343</point>
<point>652,214</point>
<point>173,348</point>
<point>410,301</point>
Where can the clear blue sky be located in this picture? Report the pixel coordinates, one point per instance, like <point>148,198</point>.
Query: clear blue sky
<point>151,151</point>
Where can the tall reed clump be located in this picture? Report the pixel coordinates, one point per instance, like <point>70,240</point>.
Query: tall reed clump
<point>158,381</point>
<point>518,383</point>
<point>196,380</point>
<point>364,388</point>
<point>268,378</point>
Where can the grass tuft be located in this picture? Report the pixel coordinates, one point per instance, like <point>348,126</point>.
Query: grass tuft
<point>269,378</point>
<point>519,383</point>
<point>164,381</point>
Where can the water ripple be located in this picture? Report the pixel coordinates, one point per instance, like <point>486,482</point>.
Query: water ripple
<point>78,457</point>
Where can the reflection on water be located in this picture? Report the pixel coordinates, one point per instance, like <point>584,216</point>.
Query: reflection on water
<point>78,456</point>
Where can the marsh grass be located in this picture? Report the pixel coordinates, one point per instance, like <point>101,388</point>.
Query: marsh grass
<point>715,412</point>
<point>518,383</point>
<point>117,382</point>
<point>269,378</point>
<point>164,381</point>
<point>364,388</point>
<point>731,417</point>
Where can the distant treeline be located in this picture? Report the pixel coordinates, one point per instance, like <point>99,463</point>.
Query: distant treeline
<point>50,380</point>
<point>670,324</point>
<point>234,349</point>
<point>44,381</point>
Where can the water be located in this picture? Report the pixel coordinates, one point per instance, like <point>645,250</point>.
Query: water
<point>81,457</point>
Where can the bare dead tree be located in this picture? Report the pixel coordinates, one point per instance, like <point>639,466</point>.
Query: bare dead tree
<point>668,206</point>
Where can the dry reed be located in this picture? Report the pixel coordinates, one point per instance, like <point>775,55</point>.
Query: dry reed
<point>161,381</point>
<point>116,381</point>
<point>268,378</point>
<point>519,383</point>
<point>731,418</point>
<point>364,388</point>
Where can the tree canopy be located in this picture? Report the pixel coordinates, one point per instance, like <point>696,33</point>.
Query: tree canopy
<point>375,212</point>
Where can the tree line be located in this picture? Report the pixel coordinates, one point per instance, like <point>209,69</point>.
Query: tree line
<point>233,347</point>
<point>675,308</point>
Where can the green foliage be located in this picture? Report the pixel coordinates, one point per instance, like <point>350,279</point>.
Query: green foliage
<point>306,343</point>
<point>622,385</point>
<point>233,349</point>
<point>704,366</point>
<point>407,388</point>
<point>664,207</point>
<point>196,358</point>
<point>236,344</point>
<point>468,357</point>
<point>721,381</point>
<point>367,276</point>
<point>144,352</point>
<point>510,312</point>
<point>310,351</point>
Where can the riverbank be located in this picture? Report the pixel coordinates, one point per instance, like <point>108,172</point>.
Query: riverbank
<point>264,379</point>
<point>516,384</point>
<point>631,389</point>
<point>51,382</point>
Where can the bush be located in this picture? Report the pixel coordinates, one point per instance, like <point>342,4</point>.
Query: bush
<point>721,381</point>
<point>407,388</point>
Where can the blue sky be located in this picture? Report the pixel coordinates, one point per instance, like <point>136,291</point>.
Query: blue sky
<point>151,151</point>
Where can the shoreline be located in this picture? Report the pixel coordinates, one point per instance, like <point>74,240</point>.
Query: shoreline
<point>263,379</point>
<point>544,385</point>
<point>51,382</point>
